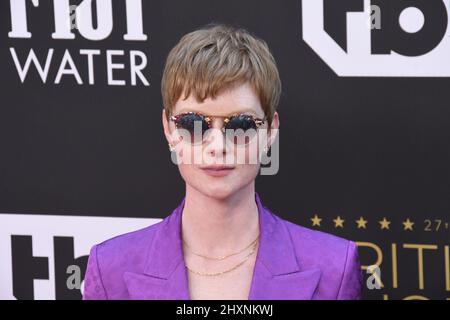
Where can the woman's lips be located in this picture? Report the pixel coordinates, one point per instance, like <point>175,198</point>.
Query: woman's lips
<point>217,171</point>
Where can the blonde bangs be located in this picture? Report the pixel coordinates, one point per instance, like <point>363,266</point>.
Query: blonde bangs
<point>219,57</point>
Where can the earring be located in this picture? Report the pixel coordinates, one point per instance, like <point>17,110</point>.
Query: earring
<point>266,149</point>
<point>171,147</point>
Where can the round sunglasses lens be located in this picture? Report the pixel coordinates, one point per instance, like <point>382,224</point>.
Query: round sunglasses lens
<point>243,129</point>
<point>195,125</point>
<point>243,122</point>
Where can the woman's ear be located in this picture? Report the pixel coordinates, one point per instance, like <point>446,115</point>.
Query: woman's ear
<point>166,126</point>
<point>274,126</point>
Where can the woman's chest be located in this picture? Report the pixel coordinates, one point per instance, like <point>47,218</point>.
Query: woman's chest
<point>235,285</point>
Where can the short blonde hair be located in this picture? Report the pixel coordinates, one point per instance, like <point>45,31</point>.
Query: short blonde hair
<point>217,57</point>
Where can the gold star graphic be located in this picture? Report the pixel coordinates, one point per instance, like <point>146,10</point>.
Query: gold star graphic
<point>316,220</point>
<point>408,225</point>
<point>338,222</point>
<point>361,223</point>
<point>384,224</point>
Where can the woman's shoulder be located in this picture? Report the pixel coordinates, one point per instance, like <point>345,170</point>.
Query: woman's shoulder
<point>302,235</point>
<point>315,248</point>
<point>127,244</point>
<point>109,259</point>
<point>336,257</point>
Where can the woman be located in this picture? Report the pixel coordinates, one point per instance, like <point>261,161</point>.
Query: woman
<point>221,242</point>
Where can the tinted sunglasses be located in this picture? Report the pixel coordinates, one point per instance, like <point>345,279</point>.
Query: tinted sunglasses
<point>243,126</point>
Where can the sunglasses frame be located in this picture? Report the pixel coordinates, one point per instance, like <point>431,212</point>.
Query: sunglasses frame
<point>208,119</point>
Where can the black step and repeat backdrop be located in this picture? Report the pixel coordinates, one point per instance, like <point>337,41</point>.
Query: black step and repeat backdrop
<point>364,137</point>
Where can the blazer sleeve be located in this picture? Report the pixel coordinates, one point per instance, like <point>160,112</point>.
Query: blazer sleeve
<point>93,285</point>
<point>351,283</point>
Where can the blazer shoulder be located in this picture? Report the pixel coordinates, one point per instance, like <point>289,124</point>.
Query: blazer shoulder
<point>318,249</point>
<point>325,242</point>
<point>109,259</point>
<point>125,245</point>
<point>336,257</point>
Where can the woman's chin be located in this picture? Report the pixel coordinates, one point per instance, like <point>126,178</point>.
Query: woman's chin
<point>221,193</point>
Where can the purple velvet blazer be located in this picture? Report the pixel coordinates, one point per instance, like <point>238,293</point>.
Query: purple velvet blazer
<point>292,263</point>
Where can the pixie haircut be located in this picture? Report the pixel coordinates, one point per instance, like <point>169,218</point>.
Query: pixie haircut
<point>216,57</point>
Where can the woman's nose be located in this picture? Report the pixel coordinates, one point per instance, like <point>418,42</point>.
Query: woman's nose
<point>216,142</point>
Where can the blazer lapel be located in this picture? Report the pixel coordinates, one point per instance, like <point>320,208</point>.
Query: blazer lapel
<point>276,275</point>
<point>277,272</point>
<point>164,276</point>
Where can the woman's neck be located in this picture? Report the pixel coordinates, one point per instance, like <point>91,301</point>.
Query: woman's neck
<point>218,227</point>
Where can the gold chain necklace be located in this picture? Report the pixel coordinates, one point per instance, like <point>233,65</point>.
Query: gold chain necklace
<point>223,257</point>
<point>225,271</point>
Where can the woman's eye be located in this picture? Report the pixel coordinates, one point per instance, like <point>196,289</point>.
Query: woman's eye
<point>243,122</point>
<point>188,121</point>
